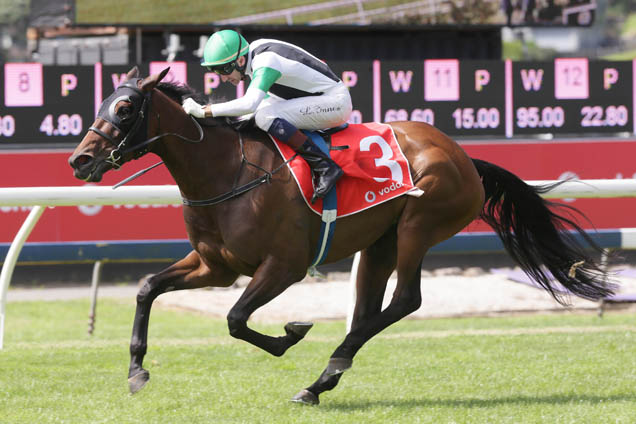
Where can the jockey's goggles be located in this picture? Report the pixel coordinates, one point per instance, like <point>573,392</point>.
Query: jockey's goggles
<point>224,69</point>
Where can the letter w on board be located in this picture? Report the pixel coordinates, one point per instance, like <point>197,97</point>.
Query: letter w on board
<point>532,79</point>
<point>400,80</point>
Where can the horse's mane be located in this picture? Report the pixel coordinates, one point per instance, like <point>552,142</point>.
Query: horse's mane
<point>180,92</point>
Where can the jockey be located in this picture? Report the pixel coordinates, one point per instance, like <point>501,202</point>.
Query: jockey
<point>289,90</point>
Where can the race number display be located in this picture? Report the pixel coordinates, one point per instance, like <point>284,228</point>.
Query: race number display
<point>23,84</point>
<point>375,169</point>
<point>459,98</point>
<point>573,95</point>
<point>46,104</point>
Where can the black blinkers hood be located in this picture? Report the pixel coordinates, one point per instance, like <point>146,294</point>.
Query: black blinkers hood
<point>130,92</point>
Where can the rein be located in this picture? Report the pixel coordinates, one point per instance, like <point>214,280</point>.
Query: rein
<point>236,191</point>
<point>113,159</point>
<point>139,149</point>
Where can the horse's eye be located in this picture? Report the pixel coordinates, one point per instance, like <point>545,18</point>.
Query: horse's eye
<point>124,112</point>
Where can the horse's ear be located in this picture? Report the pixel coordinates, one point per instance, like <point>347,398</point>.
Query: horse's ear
<point>133,73</point>
<point>163,74</point>
<point>152,81</point>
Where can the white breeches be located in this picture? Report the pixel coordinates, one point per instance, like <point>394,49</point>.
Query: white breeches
<point>307,113</point>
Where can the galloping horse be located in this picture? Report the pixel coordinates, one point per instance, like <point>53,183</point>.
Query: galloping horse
<point>270,234</point>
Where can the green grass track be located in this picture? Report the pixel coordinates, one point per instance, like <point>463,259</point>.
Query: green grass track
<point>564,368</point>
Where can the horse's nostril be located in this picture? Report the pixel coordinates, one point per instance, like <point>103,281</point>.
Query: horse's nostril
<point>82,160</point>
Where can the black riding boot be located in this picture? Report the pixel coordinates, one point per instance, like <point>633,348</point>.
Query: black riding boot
<point>324,170</point>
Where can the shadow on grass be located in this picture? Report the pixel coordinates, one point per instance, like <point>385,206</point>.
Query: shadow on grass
<point>470,403</point>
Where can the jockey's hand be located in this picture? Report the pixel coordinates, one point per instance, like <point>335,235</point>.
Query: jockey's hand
<point>193,108</point>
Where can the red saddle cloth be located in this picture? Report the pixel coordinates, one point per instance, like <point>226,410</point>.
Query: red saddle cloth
<point>375,169</point>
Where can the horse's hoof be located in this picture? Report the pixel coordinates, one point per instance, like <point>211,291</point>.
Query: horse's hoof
<point>298,328</point>
<point>305,397</point>
<point>338,365</point>
<point>138,381</point>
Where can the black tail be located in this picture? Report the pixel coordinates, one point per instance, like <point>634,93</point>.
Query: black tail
<point>538,238</point>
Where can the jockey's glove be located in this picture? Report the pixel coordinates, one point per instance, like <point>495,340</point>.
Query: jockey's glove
<point>193,108</point>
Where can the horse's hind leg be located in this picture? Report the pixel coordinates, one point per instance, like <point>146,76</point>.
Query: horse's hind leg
<point>188,273</point>
<point>377,262</point>
<point>422,225</point>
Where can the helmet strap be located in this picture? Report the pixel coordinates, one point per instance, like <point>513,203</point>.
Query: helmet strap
<point>241,69</point>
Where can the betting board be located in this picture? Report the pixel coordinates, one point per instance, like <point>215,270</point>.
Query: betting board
<point>497,99</point>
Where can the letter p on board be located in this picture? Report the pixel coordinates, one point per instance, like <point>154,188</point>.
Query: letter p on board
<point>482,78</point>
<point>610,77</point>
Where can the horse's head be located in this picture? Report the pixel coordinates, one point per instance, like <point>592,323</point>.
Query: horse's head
<point>119,131</point>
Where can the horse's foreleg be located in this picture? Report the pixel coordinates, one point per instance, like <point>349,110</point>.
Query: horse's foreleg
<point>377,262</point>
<point>271,278</point>
<point>188,273</point>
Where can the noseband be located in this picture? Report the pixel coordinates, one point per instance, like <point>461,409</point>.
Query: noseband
<point>132,130</point>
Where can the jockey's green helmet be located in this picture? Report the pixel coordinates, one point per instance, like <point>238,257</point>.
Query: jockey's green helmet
<point>224,47</point>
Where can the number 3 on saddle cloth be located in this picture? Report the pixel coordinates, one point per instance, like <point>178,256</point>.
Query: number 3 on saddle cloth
<point>375,171</point>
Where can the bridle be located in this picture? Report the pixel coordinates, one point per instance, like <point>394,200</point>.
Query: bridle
<point>132,130</point>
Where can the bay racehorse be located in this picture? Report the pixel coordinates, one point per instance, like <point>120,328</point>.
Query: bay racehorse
<point>269,233</point>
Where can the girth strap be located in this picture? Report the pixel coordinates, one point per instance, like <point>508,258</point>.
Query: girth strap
<point>233,193</point>
<point>237,191</point>
<point>329,211</point>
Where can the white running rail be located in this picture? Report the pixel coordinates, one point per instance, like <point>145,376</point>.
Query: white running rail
<point>41,197</point>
